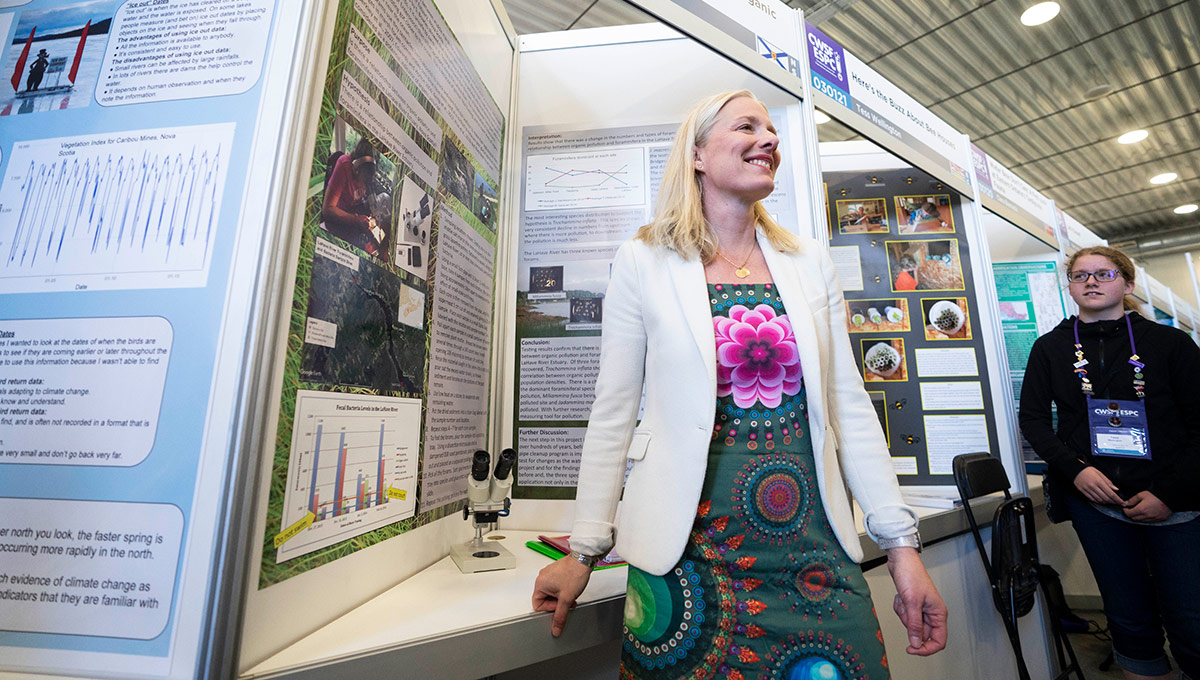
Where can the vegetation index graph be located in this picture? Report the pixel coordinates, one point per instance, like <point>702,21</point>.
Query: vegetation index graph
<point>133,209</point>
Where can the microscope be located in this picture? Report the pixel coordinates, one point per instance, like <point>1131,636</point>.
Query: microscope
<point>487,502</point>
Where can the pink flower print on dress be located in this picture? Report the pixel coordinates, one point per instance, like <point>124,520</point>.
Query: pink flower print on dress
<point>757,358</point>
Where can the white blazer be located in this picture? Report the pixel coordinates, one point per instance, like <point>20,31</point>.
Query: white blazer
<point>658,328</point>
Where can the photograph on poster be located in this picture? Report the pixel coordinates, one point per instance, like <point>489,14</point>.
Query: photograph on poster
<point>883,360</point>
<point>563,297</point>
<point>484,203</point>
<point>546,279</point>
<point>887,315</point>
<point>924,214</point>
<point>925,265</point>
<point>415,226</point>
<point>412,307</point>
<point>587,310</point>
<point>863,216</point>
<point>356,204</point>
<point>354,337</point>
<point>946,318</point>
<point>456,174</point>
<point>879,401</point>
<point>55,56</point>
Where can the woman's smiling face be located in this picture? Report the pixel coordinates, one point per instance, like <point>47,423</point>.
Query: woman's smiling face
<point>741,154</point>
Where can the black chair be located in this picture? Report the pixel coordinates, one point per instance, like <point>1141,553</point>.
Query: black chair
<point>1013,569</point>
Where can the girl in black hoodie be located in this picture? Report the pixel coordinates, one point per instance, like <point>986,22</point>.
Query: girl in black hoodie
<point>1133,498</point>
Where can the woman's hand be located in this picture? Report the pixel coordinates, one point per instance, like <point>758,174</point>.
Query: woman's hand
<point>1146,507</point>
<point>1097,487</point>
<point>557,587</point>
<point>917,602</point>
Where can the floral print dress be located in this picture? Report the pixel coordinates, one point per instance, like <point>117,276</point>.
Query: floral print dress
<point>763,589</point>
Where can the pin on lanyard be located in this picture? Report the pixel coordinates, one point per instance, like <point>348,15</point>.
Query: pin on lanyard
<point>1139,382</point>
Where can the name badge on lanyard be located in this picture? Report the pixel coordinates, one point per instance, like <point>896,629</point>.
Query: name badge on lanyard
<point>1118,428</point>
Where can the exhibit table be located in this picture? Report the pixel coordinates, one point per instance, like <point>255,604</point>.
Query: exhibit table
<point>442,623</point>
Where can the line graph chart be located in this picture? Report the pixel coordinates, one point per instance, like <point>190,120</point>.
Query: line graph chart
<point>135,209</point>
<point>347,452</point>
<point>586,179</point>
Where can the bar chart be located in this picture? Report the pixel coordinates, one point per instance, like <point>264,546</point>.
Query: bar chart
<point>352,467</point>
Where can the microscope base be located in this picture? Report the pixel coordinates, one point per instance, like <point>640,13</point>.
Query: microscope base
<point>476,556</point>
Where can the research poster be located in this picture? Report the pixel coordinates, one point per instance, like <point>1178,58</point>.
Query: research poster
<point>584,192</point>
<point>129,134</point>
<point>901,250</point>
<point>387,369</point>
<point>1031,305</point>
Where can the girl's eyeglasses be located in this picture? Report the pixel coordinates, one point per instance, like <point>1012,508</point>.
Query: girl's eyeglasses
<point>1102,275</point>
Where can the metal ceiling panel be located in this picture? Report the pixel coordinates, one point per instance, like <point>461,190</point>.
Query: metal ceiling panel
<point>1021,93</point>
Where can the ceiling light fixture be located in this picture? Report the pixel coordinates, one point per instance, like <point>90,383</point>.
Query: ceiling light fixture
<point>820,117</point>
<point>1040,13</point>
<point>1163,178</point>
<point>1098,91</point>
<point>1132,137</point>
<point>1185,209</point>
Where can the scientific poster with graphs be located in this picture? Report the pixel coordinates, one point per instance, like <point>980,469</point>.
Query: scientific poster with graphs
<point>130,133</point>
<point>387,371</point>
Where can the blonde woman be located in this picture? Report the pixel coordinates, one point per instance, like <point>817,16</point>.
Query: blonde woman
<point>736,522</point>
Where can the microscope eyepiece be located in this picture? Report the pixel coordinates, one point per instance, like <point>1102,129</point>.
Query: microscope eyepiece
<point>480,466</point>
<point>505,464</point>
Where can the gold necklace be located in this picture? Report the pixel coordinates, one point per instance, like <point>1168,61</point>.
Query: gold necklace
<point>740,271</point>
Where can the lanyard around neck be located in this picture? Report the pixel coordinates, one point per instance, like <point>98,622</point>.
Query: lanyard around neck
<point>1139,382</point>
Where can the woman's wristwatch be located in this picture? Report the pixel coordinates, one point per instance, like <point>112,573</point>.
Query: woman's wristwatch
<point>588,561</point>
<point>912,540</point>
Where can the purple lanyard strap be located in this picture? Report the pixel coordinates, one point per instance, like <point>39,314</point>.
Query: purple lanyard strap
<point>1139,382</point>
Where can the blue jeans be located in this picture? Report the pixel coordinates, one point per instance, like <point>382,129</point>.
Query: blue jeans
<point>1149,578</point>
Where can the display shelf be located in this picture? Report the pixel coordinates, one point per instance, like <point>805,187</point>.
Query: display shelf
<point>445,624</point>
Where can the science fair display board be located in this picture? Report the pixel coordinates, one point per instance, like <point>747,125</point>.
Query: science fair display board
<point>384,380</point>
<point>905,233</point>
<point>137,154</point>
<point>587,186</point>
<point>903,249</point>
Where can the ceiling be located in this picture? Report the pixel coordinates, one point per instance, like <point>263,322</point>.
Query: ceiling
<point>1021,93</point>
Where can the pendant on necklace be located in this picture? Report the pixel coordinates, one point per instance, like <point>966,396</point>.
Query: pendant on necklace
<point>741,273</point>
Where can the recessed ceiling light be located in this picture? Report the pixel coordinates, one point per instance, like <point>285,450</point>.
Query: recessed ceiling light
<point>1185,209</point>
<point>820,117</point>
<point>1163,178</point>
<point>1039,13</point>
<point>1132,137</point>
